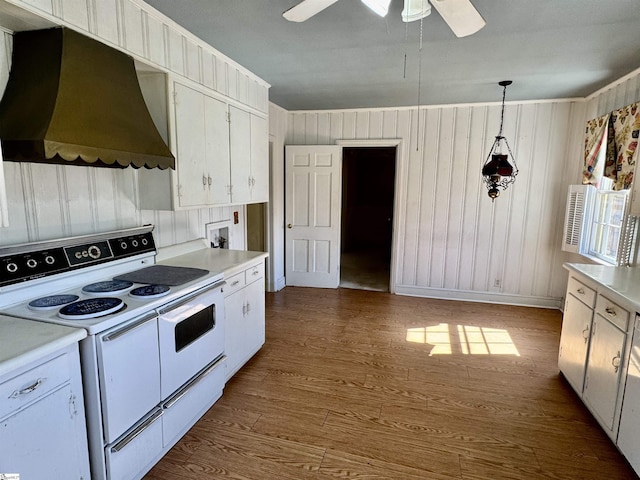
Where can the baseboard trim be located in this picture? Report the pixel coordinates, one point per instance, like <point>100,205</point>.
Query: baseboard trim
<point>480,297</point>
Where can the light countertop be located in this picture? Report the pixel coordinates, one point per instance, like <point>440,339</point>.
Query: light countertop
<point>25,341</point>
<point>221,260</point>
<point>623,281</point>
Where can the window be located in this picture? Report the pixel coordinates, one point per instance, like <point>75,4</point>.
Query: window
<point>607,225</point>
<point>597,224</point>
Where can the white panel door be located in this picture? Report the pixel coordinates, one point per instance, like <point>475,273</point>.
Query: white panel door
<point>312,215</point>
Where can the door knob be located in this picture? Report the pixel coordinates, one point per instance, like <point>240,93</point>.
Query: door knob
<point>289,226</point>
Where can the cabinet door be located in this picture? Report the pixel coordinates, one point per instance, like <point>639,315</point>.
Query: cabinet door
<point>259,159</point>
<point>574,341</point>
<point>190,147</point>
<point>255,312</point>
<point>603,370</point>
<point>45,439</point>
<point>217,150</point>
<point>235,333</point>
<point>629,435</point>
<point>240,147</point>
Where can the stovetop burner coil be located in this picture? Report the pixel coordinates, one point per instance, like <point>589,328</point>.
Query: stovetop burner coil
<point>90,308</point>
<point>150,291</point>
<point>107,288</point>
<point>52,302</point>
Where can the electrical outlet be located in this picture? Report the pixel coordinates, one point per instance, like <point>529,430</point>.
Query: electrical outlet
<point>497,282</point>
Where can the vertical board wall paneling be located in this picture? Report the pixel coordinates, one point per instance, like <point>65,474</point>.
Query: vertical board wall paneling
<point>523,144</point>
<point>474,187</point>
<point>401,121</point>
<point>411,261</point>
<point>460,167</point>
<point>453,237</point>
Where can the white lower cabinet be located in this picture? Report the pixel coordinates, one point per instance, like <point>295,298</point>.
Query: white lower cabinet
<point>244,313</point>
<point>574,341</point>
<point>629,433</point>
<point>42,424</point>
<point>602,381</point>
<point>597,360</point>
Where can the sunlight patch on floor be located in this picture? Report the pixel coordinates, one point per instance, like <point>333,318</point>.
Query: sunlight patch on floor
<point>465,339</point>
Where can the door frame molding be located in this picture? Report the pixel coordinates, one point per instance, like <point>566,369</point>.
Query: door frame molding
<point>399,199</point>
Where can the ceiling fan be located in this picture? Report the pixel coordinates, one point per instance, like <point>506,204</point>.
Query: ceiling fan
<point>460,15</point>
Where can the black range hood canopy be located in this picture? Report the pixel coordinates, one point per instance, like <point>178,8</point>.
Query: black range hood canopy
<point>73,100</point>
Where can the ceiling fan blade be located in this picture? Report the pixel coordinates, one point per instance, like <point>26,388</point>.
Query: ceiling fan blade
<point>461,16</point>
<point>306,9</point>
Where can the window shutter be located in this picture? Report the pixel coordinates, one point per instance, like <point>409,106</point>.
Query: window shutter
<point>627,239</point>
<point>577,216</point>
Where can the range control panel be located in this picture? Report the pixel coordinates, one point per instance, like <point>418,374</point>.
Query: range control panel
<point>40,263</point>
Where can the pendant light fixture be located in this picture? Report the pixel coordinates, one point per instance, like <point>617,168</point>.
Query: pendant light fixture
<point>498,172</point>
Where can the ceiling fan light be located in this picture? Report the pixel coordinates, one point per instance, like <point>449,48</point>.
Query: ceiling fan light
<point>415,10</point>
<point>381,7</point>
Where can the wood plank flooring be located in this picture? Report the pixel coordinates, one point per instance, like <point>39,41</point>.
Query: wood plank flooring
<point>357,384</point>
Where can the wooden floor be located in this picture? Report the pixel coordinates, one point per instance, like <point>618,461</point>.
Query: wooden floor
<point>367,385</point>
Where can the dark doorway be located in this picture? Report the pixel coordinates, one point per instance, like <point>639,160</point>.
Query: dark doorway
<point>368,181</point>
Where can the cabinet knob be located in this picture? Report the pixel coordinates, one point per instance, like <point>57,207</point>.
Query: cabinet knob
<point>289,226</point>
<point>615,362</point>
<point>585,334</point>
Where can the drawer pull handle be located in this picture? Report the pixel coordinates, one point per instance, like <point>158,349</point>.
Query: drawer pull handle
<point>585,334</point>
<point>610,311</point>
<point>233,284</point>
<point>615,362</point>
<point>27,390</point>
<point>580,291</point>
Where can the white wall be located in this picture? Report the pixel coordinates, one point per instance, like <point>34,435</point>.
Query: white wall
<point>622,92</point>
<point>453,242</point>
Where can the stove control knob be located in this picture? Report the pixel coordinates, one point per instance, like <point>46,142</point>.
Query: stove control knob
<point>12,267</point>
<point>123,245</point>
<point>145,242</point>
<point>94,252</point>
<point>31,263</point>
<point>134,243</point>
<point>49,260</point>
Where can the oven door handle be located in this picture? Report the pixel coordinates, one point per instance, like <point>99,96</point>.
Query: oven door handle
<point>141,428</point>
<point>181,301</point>
<point>184,390</point>
<point>124,330</point>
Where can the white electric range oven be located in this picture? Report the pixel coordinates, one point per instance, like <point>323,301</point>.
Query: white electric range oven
<point>153,361</point>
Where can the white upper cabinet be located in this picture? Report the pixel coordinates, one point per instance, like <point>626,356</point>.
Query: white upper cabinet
<point>249,157</point>
<point>221,154</point>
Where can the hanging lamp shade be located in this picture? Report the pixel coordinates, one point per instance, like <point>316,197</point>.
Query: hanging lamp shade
<point>498,172</point>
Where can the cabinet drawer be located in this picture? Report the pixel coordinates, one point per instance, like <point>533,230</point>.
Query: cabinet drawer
<point>234,283</point>
<point>33,384</point>
<point>254,273</point>
<point>612,312</point>
<point>579,290</point>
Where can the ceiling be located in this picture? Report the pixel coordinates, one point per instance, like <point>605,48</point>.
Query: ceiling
<point>348,57</point>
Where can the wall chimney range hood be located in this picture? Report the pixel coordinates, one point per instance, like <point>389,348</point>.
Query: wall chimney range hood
<point>73,100</point>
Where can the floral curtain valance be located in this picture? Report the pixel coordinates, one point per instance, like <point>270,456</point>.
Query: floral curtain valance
<point>617,132</point>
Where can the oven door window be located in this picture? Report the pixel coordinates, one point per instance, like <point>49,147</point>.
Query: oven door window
<point>192,328</point>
